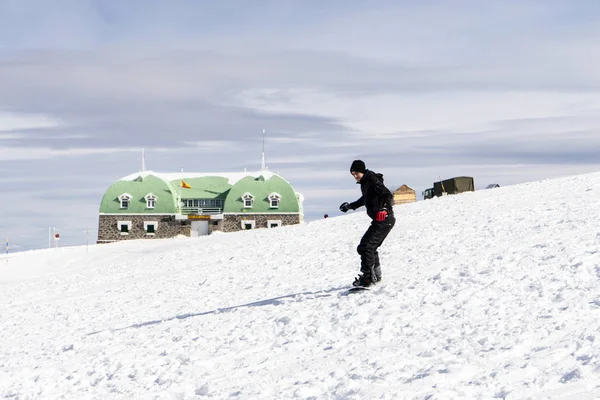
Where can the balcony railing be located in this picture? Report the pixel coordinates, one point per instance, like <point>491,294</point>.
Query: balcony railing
<point>201,210</point>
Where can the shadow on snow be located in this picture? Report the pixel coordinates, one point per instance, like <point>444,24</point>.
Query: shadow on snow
<point>275,301</point>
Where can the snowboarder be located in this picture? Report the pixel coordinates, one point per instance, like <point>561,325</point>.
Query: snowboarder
<point>378,201</point>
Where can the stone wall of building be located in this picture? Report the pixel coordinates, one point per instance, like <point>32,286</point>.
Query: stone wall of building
<point>233,223</point>
<point>168,227</point>
<point>215,225</point>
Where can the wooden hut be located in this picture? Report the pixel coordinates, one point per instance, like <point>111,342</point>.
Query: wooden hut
<point>404,194</point>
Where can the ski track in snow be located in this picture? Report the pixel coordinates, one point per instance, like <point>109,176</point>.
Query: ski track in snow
<point>492,294</point>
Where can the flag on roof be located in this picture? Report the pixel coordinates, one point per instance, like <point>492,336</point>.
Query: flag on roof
<point>186,185</point>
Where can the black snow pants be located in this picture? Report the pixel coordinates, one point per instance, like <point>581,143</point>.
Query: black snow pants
<point>370,242</point>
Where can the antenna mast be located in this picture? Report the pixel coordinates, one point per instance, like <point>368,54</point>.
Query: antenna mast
<point>143,160</point>
<point>263,167</point>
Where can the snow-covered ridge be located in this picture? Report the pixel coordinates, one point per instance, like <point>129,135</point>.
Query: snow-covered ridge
<point>492,294</point>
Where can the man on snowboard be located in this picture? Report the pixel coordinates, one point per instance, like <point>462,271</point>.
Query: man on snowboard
<point>378,200</point>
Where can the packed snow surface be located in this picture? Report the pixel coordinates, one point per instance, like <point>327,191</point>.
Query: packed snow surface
<point>492,294</point>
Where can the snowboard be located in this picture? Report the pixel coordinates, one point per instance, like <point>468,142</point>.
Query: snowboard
<point>356,289</point>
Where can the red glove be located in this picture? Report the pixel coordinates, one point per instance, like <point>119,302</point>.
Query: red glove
<point>381,216</point>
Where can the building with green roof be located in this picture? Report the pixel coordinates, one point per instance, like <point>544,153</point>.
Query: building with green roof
<point>162,205</point>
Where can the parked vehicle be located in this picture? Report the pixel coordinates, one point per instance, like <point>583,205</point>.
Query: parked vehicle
<point>454,185</point>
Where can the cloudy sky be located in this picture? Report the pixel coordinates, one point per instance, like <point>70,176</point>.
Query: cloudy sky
<point>504,91</point>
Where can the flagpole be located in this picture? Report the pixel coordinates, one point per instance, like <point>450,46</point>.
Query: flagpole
<point>182,184</point>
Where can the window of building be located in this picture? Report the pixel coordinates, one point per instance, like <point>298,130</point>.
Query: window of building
<point>125,199</point>
<point>248,200</point>
<point>150,200</point>
<point>274,200</point>
<point>203,203</point>
<point>273,223</point>
<point>248,224</point>
<point>124,227</point>
<point>150,227</point>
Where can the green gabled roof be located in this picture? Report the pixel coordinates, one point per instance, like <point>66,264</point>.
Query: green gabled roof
<point>207,187</point>
<point>228,186</point>
<point>139,188</point>
<point>260,188</point>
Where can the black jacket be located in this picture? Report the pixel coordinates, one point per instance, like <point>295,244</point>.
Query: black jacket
<point>375,196</point>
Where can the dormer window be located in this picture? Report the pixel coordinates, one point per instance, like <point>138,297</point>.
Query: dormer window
<point>150,200</point>
<point>248,200</point>
<point>274,200</point>
<point>125,198</point>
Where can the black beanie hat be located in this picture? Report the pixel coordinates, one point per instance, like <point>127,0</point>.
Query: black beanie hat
<point>358,166</point>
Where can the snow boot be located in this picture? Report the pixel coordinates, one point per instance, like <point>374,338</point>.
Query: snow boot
<point>363,281</point>
<point>377,273</point>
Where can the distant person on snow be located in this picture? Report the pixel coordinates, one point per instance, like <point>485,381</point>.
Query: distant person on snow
<point>378,200</point>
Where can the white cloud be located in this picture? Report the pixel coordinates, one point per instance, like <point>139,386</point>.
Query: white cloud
<point>425,114</point>
<point>12,136</point>
<point>211,145</point>
<point>39,153</point>
<point>308,158</point>
<point>10,122</point>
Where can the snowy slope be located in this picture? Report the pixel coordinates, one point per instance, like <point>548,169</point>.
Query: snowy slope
<point>493,294</point>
